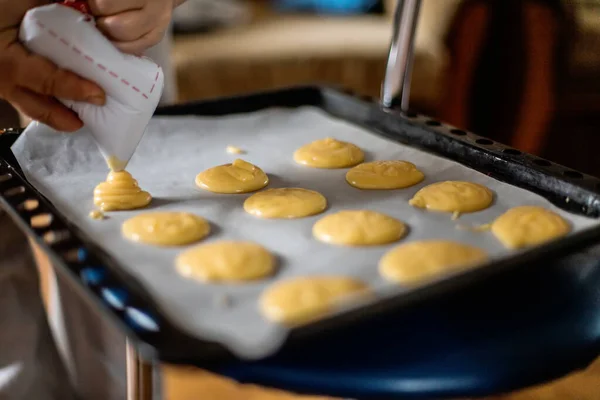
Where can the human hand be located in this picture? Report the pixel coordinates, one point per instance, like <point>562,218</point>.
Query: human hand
<point>133,25</point>
<point>32,83</point>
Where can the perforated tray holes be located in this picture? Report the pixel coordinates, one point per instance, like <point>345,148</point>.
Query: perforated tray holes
<point>14,191</point>
<point>573,174</point>
<point>512,152</point>
<point>71,255</point>
<point>5,177</point>
<point>115,297</point>
<point>29,205</point>
<point>41,221</point>
<point>542,163</point>
<point>484,142</point>
<point>458,132</point>
<point>433,122</point>
<point>93,275</point>
<point>56,237</point>
<point>140,320</point>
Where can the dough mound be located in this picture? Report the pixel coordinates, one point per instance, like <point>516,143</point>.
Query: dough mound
<point>378,175</point>
<point>237,177</point>
<point>120,192</point>
<point>303,300</point>
<point>329,153</point>
<point>358,228</point>
<point>421,261</point>
<point>286,203</point>
<point>166,228</point>
<point>453,196</point>
<point>526,226</point>
<point>226,261</point>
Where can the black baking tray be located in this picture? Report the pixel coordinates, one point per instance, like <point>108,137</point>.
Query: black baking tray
<point>75,255</point>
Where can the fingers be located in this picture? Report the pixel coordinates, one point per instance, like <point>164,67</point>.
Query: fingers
<point>45,109</point>
<point>42,76</point>
<point>139,46</point>
<point>102,8</point>
<point>135,30</point>
<point>127,26</point>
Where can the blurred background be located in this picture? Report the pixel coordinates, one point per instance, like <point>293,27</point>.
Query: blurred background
<point>523,72</point>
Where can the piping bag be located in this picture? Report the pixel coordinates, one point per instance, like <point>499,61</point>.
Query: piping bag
<point>66,34</point>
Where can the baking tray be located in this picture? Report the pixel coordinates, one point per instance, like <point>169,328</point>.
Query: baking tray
<point>136,311</point>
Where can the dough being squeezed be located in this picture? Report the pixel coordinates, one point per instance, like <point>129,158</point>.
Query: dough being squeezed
<point>416,262</point>
<point>526,226</point>
<point>226,261</point>
<point>238,177</point>
<point>358,228</point>
<point>453,196</point>
<point>166,228</point>
<point>302,300</point>
<point>384,175</point>
<point>285,203</point>
<point>120,192</point>
<point>329,153</point>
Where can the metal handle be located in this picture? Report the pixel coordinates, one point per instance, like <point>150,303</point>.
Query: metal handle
<point>396,82</point>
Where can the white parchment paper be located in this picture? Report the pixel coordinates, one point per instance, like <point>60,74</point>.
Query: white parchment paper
<point>66,168</point>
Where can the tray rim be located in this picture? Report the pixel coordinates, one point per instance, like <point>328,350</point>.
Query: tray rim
<point>153,345</point>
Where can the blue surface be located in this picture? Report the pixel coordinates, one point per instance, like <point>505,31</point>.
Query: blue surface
<point>512,331</point>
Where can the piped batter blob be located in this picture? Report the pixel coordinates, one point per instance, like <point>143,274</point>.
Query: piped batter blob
<point>120,192</point>
<point>285,203</point>
<point>226,261</point>
<point>453,196</point>
<point>96,214</point>
<point>526,226</point>
<point>358,228</point>
<point>302,300</point>
<point>238,177</point>
<point>418,262</point>
<point>379,175</point>
<point>166,228</point>
<point>329,153</point>
<point>115,164</point>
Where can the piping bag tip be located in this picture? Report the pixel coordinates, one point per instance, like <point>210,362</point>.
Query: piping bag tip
<point>115,164</point>
<point>133,85</point>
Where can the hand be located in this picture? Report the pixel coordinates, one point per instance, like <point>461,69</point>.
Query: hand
<point>133,25</point>
<point>32,83</point>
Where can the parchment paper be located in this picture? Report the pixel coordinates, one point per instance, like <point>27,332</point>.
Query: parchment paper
<point>66,168</point>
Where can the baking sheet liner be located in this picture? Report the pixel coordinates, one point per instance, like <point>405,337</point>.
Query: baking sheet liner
<point>66,168</point>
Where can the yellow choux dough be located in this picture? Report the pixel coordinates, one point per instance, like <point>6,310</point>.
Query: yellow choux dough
<point>453,196</point>
<point>417,262</point>
<point>226,261</point>
<point>166,228</point>
<point>96,214</point>
<point>528,226</point>
<point>120,192</point>
<point>329,153</point>
<point>238,177</point>
<point>302,300</point>
<point>384,175</point>
<point>285,203</point>
<point>115,164</point>
<point>358,228</point>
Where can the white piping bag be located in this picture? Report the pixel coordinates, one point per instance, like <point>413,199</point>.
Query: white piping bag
<point>133,85</point>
